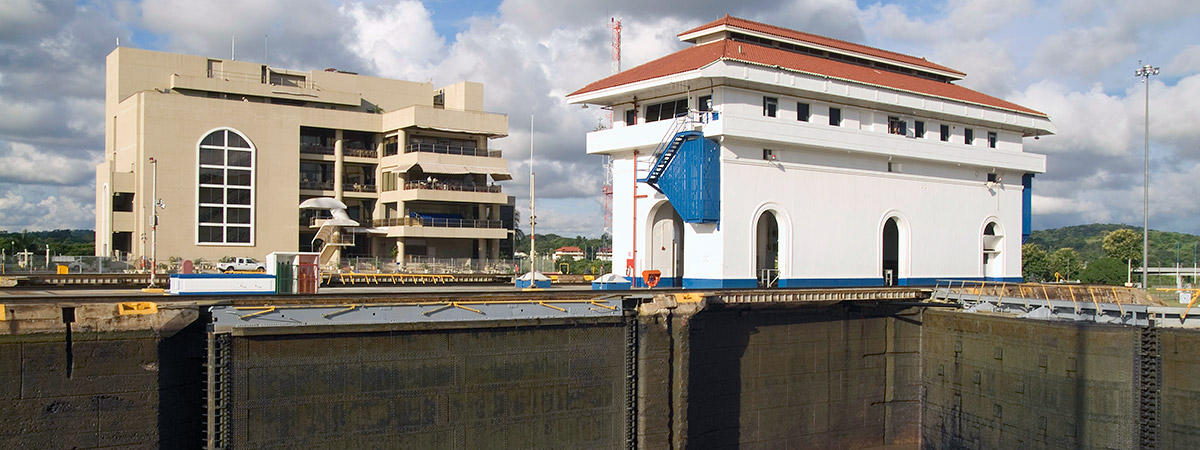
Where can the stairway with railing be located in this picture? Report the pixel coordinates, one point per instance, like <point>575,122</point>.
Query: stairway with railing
<point>682,130</point>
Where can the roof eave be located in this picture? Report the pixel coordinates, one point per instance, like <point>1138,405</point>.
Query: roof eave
<point>599,96</point>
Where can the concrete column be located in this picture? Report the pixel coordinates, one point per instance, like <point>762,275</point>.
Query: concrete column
<point>494,253</point>
<point>339,159</point>
<point>664,355</point>
<point>377,213</point>
<point>481,245</point>
<point>400,250</point>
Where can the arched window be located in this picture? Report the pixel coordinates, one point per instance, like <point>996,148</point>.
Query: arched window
<point>225,189</point>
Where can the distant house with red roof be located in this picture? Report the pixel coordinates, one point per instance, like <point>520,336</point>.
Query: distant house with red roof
<point>562,252</point>
<point>766,156</point>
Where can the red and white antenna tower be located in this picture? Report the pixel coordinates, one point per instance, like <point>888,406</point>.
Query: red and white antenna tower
<point>614,25</point>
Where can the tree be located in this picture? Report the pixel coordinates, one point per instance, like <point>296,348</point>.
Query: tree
<point>1034,266</point>
<point>1065,262</point>
<point>1123,245</point>
<point>1104,271</point>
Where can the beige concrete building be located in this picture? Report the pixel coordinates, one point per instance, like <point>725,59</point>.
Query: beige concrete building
<point>238,145</point>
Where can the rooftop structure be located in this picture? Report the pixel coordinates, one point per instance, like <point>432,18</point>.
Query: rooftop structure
<point>241,144</point>
<point>773,157</point>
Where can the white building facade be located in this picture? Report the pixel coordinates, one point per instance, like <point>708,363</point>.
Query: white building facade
<point>763,156</point>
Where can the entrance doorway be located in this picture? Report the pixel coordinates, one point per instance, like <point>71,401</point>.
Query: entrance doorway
<point>891,252</point>
<point>666,246</point>
<point>767,250</point>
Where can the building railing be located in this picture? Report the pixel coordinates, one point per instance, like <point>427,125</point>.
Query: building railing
<point>437,222</point>
<point>439,186</point>
<point>452,150</point>
<point>316,185</point>
<point>358,187</point>
<point>324,150</point>
<point>429,265</point>
<point>316,149</point>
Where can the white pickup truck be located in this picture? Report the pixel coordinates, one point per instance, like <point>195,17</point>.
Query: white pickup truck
<point>242,265</point>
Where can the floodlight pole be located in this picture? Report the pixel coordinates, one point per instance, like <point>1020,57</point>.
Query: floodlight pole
<point>1144,73</point>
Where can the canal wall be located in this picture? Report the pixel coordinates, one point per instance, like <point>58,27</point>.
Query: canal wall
<point>1001,382</point>
<point>672,372</point>
<point>521,385</point>
<point>741,377</point>
<point>116,381</point>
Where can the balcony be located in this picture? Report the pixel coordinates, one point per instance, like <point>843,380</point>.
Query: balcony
<point>439,186</point>
<point>452,150</point>
<point>438,222</point>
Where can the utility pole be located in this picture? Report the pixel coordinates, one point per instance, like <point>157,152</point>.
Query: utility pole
<point>154,222</point>
<point>532,215</point>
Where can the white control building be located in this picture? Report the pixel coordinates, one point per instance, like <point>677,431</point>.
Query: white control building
<point>763,156</point>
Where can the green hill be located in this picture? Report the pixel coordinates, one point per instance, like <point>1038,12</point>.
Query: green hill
<point>1089,239</point>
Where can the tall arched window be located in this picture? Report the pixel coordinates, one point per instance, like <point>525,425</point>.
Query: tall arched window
<point>225,189</point>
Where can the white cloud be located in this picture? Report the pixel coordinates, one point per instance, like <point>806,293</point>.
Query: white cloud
<point>1083,52</point>
<point>397,39</point>
<point>25,164</point>
<point>24,209</point>
<point>1091,122</point>
<point>1186,61</point>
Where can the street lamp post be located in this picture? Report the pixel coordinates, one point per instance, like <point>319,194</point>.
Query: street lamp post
<point>154,222</point>
<point>1144,73</point>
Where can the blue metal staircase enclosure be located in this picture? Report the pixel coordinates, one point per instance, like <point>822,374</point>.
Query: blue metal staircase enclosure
<point>668,151</point>
<point>688,172</point>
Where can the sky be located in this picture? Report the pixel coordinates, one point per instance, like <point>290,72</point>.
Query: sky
<point>1072,59</point>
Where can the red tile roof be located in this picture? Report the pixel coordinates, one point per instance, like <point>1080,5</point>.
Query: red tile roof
<point>568,250</point>
<point>700,56</point>
<point>820,40</point>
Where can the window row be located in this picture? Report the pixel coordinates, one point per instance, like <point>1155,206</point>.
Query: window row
<point>895,124</point>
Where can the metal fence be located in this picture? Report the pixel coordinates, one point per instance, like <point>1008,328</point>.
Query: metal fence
<point>37,263</point>
<point>420,264</point>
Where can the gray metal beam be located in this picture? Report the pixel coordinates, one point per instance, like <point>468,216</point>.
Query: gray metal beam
<point>226,318</point>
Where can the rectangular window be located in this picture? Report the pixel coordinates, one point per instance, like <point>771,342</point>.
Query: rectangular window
<point>212,176</point>
<point>238,177</point>
<point>237,196</point>
<point>210,234</point>
<point>945,133</point>
<point>705,103</point>
<point>667,110</point>
<point>835,117</point>
<point>212,195</point>
<point>210,214</point>
<point>894,167</point>
<point>919,129</point>
<point>239,158</point>
<point>122,201</point>
<point>212,157</point>
<point>897,126</point>
<point>631,116</point>
<point>968,136</point>
<point>237,215</point>
<point>768,155</point>
<point>770,106</point>
<point>992,139</point>
<point>802,112</point>
<point>240,235</point>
